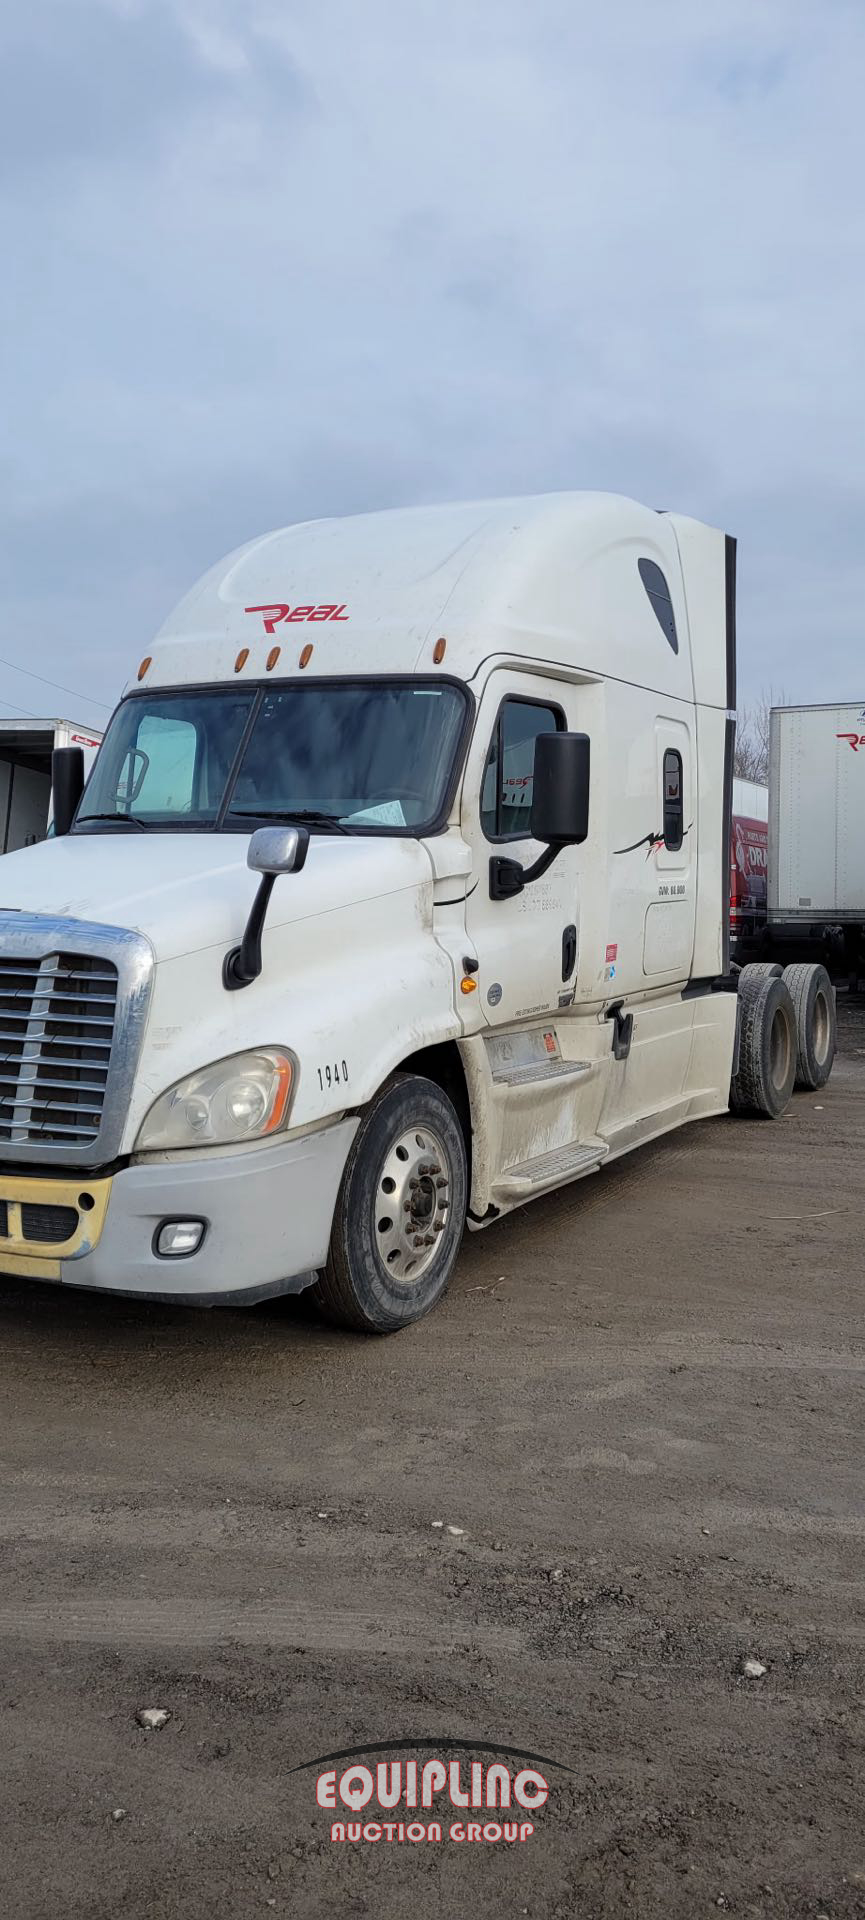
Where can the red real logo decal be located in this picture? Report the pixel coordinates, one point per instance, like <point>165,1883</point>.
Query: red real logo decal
<point>854,740</point>
<point>281,611</point>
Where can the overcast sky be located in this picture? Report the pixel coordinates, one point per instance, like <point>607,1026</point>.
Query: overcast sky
<point>279,258</point>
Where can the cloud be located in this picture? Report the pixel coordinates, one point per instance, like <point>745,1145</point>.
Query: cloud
<point>83,83</point>
<point>272,261</point>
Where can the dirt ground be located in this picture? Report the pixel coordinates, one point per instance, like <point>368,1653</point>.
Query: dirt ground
<point>641,1401</point>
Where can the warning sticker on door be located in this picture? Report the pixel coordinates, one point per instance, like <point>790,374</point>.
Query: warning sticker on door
<point>612,953</point>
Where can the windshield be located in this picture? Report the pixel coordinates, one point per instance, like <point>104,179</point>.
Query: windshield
<point>376,756</point>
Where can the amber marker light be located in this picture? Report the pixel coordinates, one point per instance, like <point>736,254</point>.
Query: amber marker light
<point>241,660</point>
<point>146,662</point>
<point>306,655</point>
<point>467,985</point>
<point>272,658</point>
<point>283,1089</point>
<point>439,652</point>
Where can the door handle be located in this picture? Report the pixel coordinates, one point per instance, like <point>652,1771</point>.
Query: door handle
<point>623,1029</point>
<point>569,952</point>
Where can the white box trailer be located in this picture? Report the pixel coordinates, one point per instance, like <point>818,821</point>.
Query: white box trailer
<point>26,746</point>
<point>816,818</point>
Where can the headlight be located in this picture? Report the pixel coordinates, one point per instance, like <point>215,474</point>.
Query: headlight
<point>242,1098</point>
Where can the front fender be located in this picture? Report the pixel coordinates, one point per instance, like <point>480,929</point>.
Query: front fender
<point>351,992</point>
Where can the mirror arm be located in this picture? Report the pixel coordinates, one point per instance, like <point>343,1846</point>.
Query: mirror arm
<point>544,860</point>
<point>508,878</point>
<point>242,964</point>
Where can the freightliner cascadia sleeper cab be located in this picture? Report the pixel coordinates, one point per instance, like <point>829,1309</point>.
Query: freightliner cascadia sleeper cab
<point>398,896</point>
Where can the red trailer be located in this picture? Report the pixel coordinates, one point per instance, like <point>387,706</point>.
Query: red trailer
<point>749,866</point>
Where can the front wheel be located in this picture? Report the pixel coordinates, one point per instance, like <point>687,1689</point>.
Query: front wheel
<point>400,1211</point>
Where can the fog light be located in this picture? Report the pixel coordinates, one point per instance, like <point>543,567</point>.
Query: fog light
<point>175,1239</point>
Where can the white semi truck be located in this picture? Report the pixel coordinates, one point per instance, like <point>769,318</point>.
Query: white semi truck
<point>397,897</point>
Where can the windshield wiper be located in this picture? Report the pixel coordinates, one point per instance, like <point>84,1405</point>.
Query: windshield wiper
<point>307,816</point>
<point>126,820</point>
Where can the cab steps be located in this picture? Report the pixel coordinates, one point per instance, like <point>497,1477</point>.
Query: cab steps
<point>548,1170</point>
<point>539,1071</point>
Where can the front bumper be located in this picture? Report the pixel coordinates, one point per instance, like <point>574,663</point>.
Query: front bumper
<point>267,1214</point>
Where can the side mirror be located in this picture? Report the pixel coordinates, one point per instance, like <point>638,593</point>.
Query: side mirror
<point>271,851</point>
<point>67,785</point>
<point>278,850</point>
<point>560,809</point>
<point>560,791</point>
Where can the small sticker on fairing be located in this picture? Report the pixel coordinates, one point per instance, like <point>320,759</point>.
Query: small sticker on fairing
<point>494,994</point>
<point>612,952</point>
<point>609,973</point>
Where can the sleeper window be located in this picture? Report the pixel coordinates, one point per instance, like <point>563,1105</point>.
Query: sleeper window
<point>659,597</point>
<point>506,794</point>
<point>674,819</point>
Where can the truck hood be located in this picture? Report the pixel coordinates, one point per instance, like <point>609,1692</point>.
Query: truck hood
<point>188,892</point>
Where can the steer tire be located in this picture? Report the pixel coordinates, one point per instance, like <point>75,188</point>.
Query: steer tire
<point>813,998</point>
<point>400,1211</point>
<point>764,1078</point>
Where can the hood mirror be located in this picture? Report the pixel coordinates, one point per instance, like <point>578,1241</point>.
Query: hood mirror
<point>278,850</point>
<point>272,851</point>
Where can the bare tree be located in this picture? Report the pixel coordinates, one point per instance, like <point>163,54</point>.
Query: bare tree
<point>752,736</point>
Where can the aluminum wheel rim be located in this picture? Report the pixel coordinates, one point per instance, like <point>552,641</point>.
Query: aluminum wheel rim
<point>412,1203</point>
<point>822,1029</point>
<point>779,1050</point>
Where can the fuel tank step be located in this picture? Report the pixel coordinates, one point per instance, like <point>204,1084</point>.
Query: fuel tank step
<point>548,1170</point>
<point>538,1071</point>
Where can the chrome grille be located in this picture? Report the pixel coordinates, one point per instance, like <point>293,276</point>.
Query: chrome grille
<point>57,1019</point>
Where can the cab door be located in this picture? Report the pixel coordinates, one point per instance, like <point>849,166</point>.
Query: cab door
<point>526,946</point>
<point>668,941</point>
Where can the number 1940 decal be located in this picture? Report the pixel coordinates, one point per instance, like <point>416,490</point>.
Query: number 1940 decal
<point>333,1076</point>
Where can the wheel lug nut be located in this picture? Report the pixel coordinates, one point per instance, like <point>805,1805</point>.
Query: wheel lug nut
<point>418,1240</point>
<point>428,1240</point>
<point>441,1183</point>
<point>439,1226</point>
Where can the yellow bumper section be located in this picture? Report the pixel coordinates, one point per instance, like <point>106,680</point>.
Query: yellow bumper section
<point>45,1221</point>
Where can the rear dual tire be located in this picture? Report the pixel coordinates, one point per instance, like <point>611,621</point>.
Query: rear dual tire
<point>787,1035</point>
<point>813,998</point>
<point>766,1069</point>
